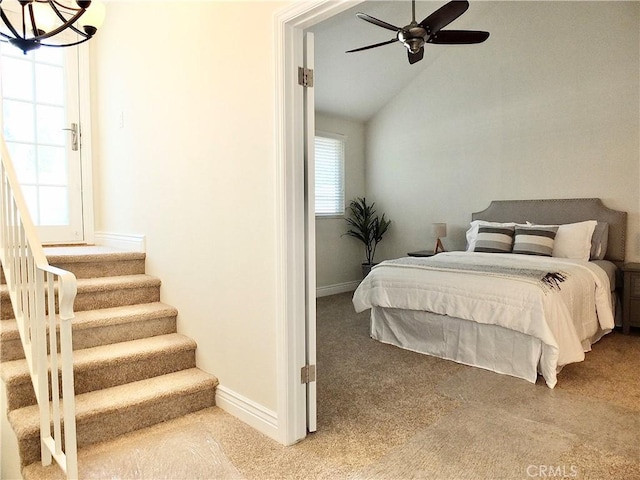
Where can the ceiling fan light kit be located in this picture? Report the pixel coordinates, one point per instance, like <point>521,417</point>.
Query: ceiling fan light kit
<point>415,35</point>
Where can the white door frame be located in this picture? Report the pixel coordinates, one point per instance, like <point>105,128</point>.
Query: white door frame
<point>290,210</point>
<point>86,154</point>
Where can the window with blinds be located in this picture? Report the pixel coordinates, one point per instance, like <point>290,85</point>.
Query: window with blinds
<point>329,166</point>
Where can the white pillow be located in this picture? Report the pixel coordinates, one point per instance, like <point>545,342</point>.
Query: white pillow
<point>472,233</point>
<point>573,240</point>
<point>599,241</point>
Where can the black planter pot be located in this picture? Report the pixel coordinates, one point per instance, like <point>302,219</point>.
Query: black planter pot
<point>366,268</point>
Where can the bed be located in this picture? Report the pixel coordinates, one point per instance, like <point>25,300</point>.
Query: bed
<point>533,291</point>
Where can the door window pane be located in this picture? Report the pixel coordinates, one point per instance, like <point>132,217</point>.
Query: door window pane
<point>48,55</point>
<point>52,166</point>
<point>53,206</point>
<point>18,121</point>
<point>50,123</point>
<point>30,194</point>
<point>24,161</point>
<point>49,84</point>
<point>19,84</point>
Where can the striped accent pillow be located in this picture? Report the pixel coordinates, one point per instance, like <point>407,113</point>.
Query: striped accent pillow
<point>534,240</point>
<point>494,239</point>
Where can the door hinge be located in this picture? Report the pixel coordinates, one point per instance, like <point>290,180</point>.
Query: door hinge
<point>305,77</point>
<point>308,374</point>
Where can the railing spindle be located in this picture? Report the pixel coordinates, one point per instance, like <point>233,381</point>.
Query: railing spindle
<point>53,355</point>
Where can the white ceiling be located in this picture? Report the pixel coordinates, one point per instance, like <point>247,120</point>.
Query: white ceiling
<point>356,85</point>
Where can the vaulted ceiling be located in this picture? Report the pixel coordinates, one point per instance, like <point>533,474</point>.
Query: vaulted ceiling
<point>357,85</point>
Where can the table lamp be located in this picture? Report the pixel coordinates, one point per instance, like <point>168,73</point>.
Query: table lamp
<point>439,230</point>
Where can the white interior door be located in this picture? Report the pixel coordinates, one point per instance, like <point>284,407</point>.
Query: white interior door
<point>292,245</point>
<point>40,122</point>
<point>310,235</point>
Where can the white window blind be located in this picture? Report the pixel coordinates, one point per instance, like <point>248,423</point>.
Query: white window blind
<point>329,166</point>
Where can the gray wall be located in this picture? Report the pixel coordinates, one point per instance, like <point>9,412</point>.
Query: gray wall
<point>546,108</point>
<point>338,258</point>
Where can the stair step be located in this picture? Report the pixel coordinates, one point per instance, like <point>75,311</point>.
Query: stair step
<point>108,413</point>
<point>92,328</point>
<point>107,292</point>
<point>91,261</point>
<point>107,366</point>
<point>104,292</point>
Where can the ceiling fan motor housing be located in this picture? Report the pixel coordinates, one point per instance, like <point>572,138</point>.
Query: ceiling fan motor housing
<point>413,37</point>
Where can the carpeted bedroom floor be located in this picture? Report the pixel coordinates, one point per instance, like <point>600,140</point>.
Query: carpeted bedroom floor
<point>386,413</point>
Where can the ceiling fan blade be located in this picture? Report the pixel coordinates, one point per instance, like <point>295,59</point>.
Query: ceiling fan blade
<point>458,37</point>
<point>375,21</point>
<point>372,46</point>
<point>444,15</point>
<point>416,57</point>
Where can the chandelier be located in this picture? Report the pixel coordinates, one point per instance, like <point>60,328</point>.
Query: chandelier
<point>34,23</point>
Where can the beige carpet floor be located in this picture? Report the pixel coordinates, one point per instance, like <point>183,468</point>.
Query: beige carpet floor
<point>386,413</point>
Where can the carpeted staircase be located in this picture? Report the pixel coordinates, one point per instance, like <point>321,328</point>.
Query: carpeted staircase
<point>132,370</point>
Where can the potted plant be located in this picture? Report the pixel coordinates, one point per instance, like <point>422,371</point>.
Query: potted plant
<point>367,227</point>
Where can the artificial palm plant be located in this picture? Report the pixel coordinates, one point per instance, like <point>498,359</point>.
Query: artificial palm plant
<point>365,225</point>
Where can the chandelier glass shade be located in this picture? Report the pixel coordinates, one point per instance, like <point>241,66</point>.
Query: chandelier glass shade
<point>30,24</point>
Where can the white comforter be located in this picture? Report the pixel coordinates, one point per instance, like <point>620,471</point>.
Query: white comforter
<point>562,319</point>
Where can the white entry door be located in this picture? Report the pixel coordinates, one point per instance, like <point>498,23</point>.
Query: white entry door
<point>40,122</point>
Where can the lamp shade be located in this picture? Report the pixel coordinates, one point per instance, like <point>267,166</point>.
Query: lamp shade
<point>46,19</point>
<point>439,230</point>
<point>94,16</point>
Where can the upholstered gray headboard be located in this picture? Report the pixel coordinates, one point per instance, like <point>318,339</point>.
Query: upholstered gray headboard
<point>561,211</point>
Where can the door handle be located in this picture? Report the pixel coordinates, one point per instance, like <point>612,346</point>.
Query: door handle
<point>74,136</point>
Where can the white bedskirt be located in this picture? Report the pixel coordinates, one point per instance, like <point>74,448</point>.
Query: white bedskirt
<point>503,351</point>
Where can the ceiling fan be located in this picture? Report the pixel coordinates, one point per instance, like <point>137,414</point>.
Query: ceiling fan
<point>415,35</point>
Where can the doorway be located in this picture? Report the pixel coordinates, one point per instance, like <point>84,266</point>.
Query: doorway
<point>48,143</point>
<point>292,213</point>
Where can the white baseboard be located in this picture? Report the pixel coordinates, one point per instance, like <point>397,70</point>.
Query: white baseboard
<point>250,412</point>
<point>130,243</point>
<point>337,288</point>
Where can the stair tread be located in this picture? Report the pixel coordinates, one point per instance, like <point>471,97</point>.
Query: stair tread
<point>109,283</point>
<point>84,254</point>
<point>88,358</point>
<point>102,317</point>
<point>112,283</point>
<point>26,420</point>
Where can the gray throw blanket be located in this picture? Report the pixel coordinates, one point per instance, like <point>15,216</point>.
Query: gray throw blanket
<point>547,280</point>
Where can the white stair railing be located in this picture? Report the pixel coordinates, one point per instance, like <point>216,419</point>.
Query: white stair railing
<point>42,297</point>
